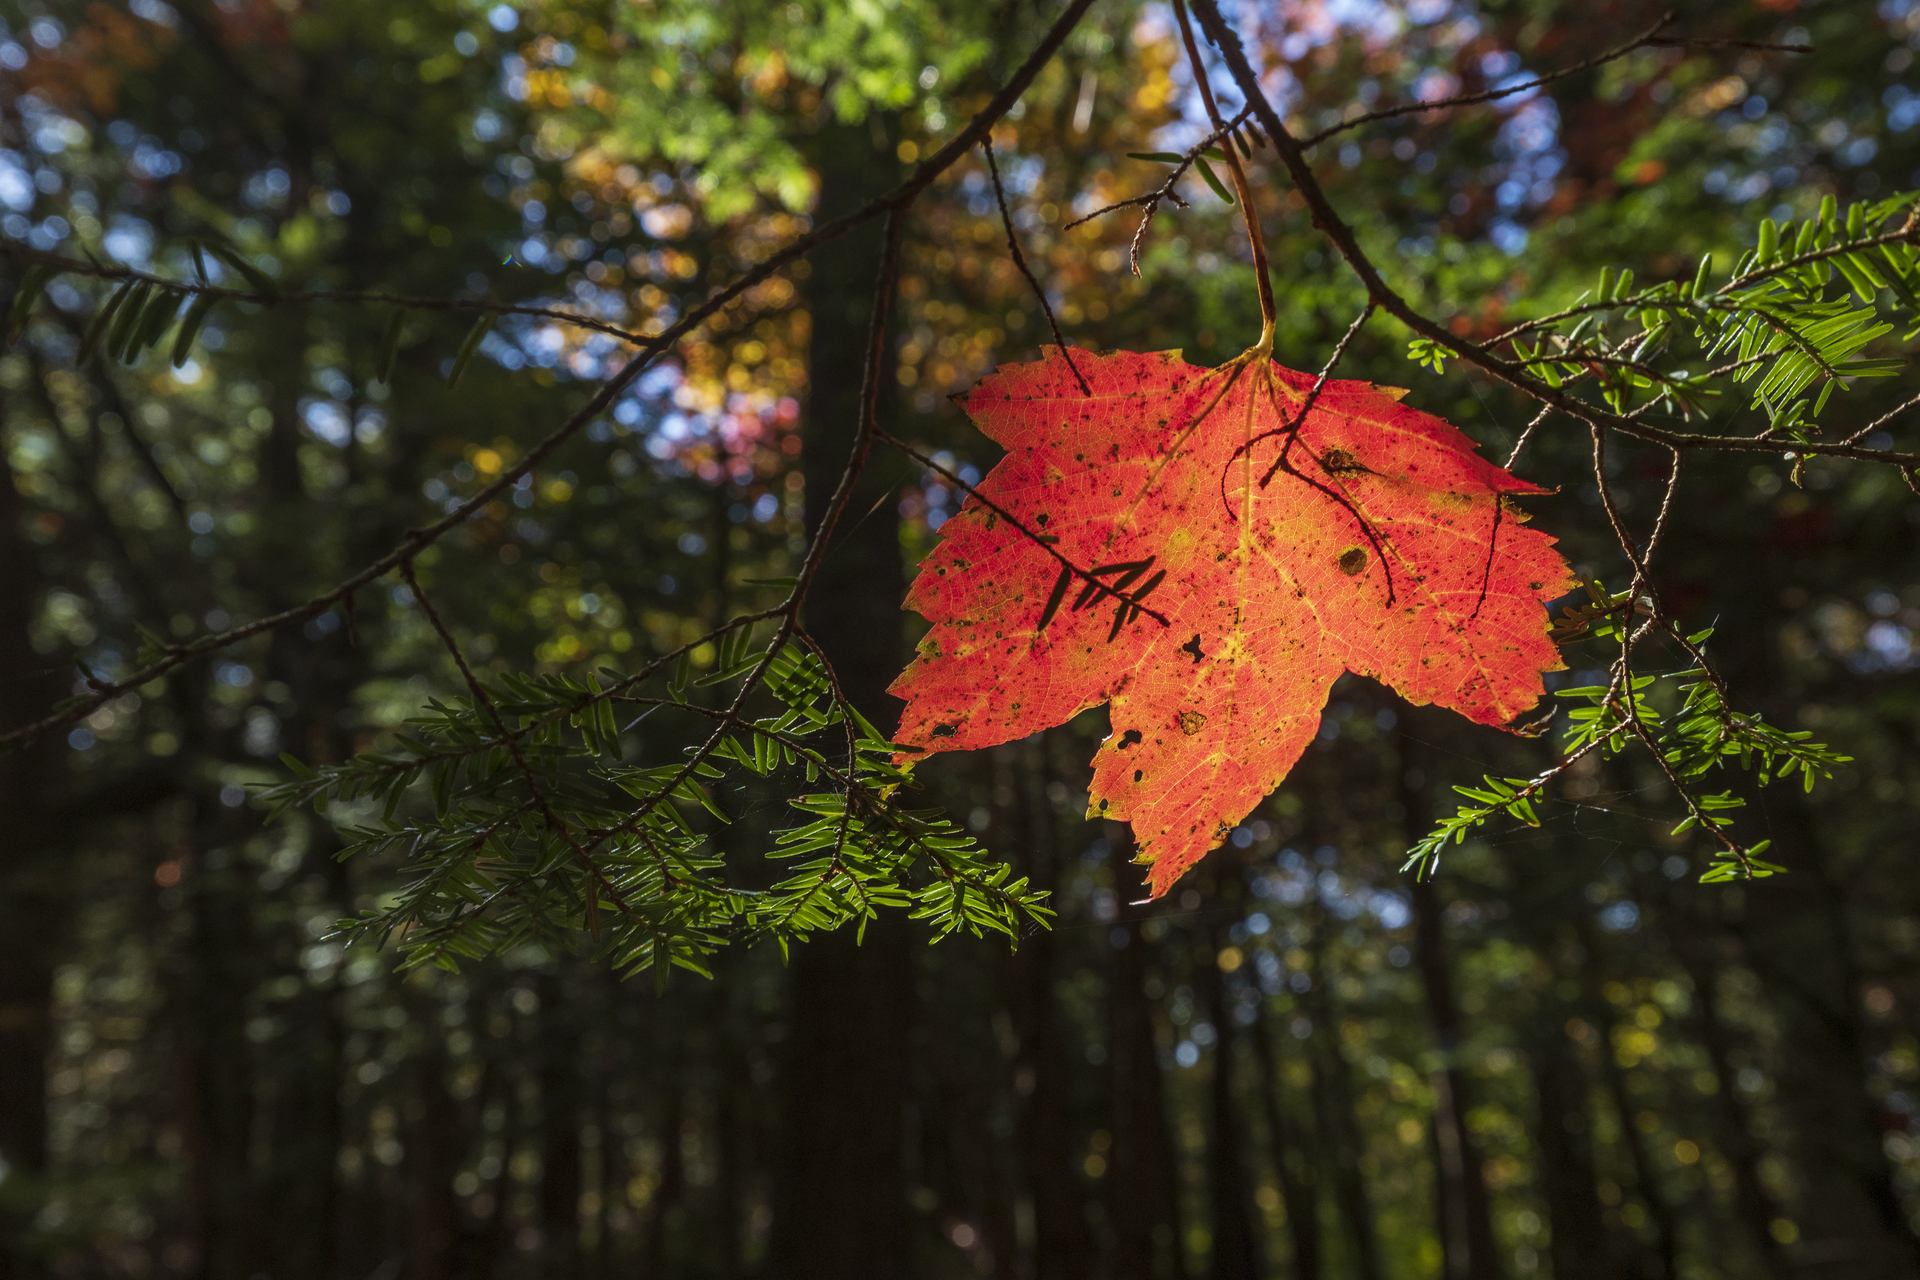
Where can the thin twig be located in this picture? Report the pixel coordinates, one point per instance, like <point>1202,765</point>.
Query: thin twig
<point>1263,278</point>
<point>1150,203</point>
<point>884,287</point>
<point>1466,100</point>
<point>1165,190</point>
<point>1292,428</point>
<point>887,203</point>
<point>1020,261</point>
<point>77,267</point>
<point>1342,236</point>
<point>554,820</point>
<point>1881,421</point>
<point>1527,435</point>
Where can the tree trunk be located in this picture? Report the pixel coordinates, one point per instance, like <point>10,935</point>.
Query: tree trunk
<point>839,1194</point>
<point>1235,1230</point>
<point>33,907</point>
<point>1798,936</point>
<point>1465,1212</point>
<point>559,1133</point>
<point>433,1157</point>
<point>1340,1133</point>
<point>1752,1201</point>
<point>1581,1248</point>
<point>1646,1177</point>
<point>1142,1185</point>
<point>1062,1247</point>
<point>219,1122</point>
<point>1293,1166</point>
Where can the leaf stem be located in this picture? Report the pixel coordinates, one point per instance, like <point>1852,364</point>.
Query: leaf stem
<point>1241,187</point>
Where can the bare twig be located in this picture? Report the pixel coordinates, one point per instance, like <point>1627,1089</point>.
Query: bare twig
<point>554,820</point>
<point>77,267</point>
<point>1882,420</point>
<point>1150,203</point>
<point>1526,435</point>
<point>1646,40</point>
<point>1263,278</point>
<point>1342,236</point>
<point>1020,261</point>
<point>887,203</point>
<point>1640,41</point>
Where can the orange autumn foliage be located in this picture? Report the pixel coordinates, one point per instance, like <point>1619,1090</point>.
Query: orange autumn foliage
<point>1188,547</point>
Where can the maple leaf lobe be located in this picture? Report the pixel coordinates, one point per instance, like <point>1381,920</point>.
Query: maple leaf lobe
<point>1379,544</point>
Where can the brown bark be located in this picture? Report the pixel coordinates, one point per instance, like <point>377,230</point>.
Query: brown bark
<point>433,1157</point>
<point>219,1068</point>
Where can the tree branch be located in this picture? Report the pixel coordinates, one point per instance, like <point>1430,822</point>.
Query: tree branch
<point>891,202</point>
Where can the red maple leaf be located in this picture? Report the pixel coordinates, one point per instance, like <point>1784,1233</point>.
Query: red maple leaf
<point>1187,546</point>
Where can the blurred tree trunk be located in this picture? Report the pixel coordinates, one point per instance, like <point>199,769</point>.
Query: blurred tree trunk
<point>433,1157</point>
<point>33,910</point>
<point>730,1140</point>
<point>1235,1229</point>
<point>491,1246</point>
<point>1340,1133</point>
<point>1600,1012</point>
<point>1062,1246</point>
<point>1737,1141</point>
<point>611,1258</point>
<point>1293,1166</point>
<point>559,1131</point>
<point>1581,1248</point>
<point>309,1062</point>
<point>1143,1202</point>
<point>219,1069</point>
<point>1797,934</point>
<point>840,1184</point>
<point>1465,1212</point>
<point>665,1213</point>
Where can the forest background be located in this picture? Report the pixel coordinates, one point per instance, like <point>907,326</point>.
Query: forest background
<point>1562,1056</point>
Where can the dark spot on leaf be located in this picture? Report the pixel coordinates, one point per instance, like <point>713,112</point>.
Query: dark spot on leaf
<point>1352,561</point>
<point>1193,647</point>
<point>1192,722</point>
<point>1128,738</point>
<point>944,730</point>
<point>1339,462</point>
<point>1137,775</point>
